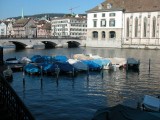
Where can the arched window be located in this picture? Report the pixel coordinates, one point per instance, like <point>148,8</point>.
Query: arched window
<point>154,27</point>
<point>112,34</point>
<point>145,27</point>
<point>95,34</point>
<point>103,34</point>
<point>127,27</point>
<point>136,27</point>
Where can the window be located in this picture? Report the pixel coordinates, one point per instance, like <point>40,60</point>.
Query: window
<point>112,14</point>
<point>95,23</point>
<point>136,27</point>
<point>95,34</point>
<point>112,34</point>
<point>112,23</point>
<point>145,27</point>
<point>103,14</point>
<point>127,27</point>
<point>95,15</point>
<point>109,5</point>
<point>103,34</point>
<point>154,27</point>
<point>103,23</point>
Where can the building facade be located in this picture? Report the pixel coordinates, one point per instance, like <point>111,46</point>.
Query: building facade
<point>3,29</point>
<point>24,28</point>
<point>43,29</point>
<point>10,32</point>
<point>142,30</point>
<point>69,26</point>
<point>137,24</point>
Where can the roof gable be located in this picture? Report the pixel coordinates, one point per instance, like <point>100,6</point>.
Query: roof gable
<point>129,5</point>
<point>21,22</point>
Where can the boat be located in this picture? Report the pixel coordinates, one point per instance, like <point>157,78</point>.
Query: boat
<point>92,65</point>
<point>66,67</point>
<point>60,58</point>
<point>11,60</point>
<point>37,59</point>
<point>81,57</point>
<point>48,68</point>
<point>133,64</point>
<point>47,59</point>
<point>118,62</point>
<point>24,60</point>
<point>104,63</point>
<point>32,69</point>
<point>93,56</point>
<point>8,74</point>
<point>122,112</point>
<point>150,103</point>
<point>79,65</point>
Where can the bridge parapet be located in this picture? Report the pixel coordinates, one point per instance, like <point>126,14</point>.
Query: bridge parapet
<point>32,41</point>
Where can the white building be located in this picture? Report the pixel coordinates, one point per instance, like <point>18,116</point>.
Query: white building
<point>104,26</point>
<point>69,26</point>
<point>10,32</point>
<point>3,29</point>
<point>137,24</point>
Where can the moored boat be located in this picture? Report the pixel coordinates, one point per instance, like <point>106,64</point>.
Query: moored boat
<point>66,67</point>
<point>24,60</point>
<point>11,61</point>
<point>8,74</point>
<point>132,63</point>
<point>48,68</point>
<point>32,69</point>
<point>37,59</point>
<point>60,58</point>
<point>118,62</point>
<point>81,57</point>
<point>150,103</point>
<point>121,112</point>
<point>79,65</point>
<point>92,65</point>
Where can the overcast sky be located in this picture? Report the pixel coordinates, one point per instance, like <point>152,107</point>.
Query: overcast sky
<point>13,8</point>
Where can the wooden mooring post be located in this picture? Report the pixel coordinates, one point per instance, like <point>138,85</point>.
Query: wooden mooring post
<point>88,73</point>
<point>149,65</point>
<point>102,71</point>
<point>23,77</point>
<point>57,70</point>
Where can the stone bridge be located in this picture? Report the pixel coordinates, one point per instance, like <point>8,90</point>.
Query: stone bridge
<point>48,43</point>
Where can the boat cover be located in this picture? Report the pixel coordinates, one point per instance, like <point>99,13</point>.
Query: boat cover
<point>132,61</point>
<point>151,103</point>
<point>60,58</point>
<point>121,112</point>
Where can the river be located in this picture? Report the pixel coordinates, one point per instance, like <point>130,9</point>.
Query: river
<point>79,98</point>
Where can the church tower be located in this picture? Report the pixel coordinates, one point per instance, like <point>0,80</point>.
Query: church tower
<point>22,14</point>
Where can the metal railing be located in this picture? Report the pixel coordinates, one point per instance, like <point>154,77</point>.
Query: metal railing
<point>13,103</point>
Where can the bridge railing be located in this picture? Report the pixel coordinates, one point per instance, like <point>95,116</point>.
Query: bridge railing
<point>42,37</point>
<point>14,104</point>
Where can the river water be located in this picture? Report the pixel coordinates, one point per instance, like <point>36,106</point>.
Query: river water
<point>79,98</point>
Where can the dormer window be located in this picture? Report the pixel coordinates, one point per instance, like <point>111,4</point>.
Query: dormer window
<point>100,6</point>
<point>109,5</point>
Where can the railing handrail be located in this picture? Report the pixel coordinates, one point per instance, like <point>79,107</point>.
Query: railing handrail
<point>14,104</point>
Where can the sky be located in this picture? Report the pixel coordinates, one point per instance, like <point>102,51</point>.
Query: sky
<point>13,8</point>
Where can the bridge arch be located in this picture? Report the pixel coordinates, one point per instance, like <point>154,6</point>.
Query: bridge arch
<point>49,44</point>
<point>19,45</point>
<point>72,44</point>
